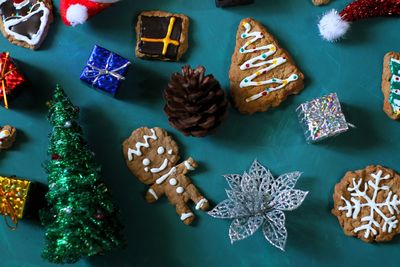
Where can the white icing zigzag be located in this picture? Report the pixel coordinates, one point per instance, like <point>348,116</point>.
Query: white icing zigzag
<point>139,145</point>
<point>37,37</point>
<point>259,61</point>
<point>360,199</point>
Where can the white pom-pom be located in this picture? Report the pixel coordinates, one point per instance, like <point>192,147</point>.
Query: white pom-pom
<point>332,26</point>
<point>77,14</point>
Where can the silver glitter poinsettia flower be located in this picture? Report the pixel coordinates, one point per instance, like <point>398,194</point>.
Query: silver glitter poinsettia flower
<point>257,199</point>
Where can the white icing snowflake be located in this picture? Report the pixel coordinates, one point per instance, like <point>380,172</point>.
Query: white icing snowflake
<point>360,199</point>
<point>258,199</point>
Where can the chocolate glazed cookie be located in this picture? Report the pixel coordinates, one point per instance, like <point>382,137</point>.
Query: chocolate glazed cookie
<point>25,22</point>
<point>162,35</point>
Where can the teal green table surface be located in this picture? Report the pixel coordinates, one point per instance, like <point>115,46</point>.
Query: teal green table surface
<point>156,237</point>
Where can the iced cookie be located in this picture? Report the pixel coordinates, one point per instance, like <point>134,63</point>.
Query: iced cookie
<point>152,156</point>
<point>26,22</point>
<point>7,136</point>
<point>320,2</point>
<point>161,35</point>
<point>262,74</point>
<point>391,85</point>
<point>367,203</point>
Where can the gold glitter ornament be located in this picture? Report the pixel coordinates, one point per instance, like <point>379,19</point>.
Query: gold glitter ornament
<point>14,194</point>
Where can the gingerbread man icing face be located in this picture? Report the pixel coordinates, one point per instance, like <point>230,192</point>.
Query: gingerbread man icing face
<point>152,156</point>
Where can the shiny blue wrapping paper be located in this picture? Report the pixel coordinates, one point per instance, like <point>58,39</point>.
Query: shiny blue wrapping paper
<point>105,70</point>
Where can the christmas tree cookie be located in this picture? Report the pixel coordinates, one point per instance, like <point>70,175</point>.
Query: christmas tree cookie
<point>367,203</point>
<point>26,22</point>
<point>262,74</point>
<point>391,85</point>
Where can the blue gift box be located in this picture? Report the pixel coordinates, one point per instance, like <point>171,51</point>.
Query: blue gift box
<point>105,70</point>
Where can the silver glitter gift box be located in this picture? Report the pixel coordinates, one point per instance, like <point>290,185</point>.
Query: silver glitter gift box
<point>322,118</point>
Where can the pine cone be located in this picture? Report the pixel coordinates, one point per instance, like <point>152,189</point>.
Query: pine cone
<point>195,103</point>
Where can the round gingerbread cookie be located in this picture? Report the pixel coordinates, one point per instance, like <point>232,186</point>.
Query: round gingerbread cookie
<point>367,203</point>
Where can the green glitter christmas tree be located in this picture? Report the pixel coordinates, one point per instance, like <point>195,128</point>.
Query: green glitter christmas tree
<point>81,219</point>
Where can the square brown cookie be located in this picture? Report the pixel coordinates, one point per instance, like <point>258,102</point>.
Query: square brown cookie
<point>262,74</point>
<point>391,85</point>
<point>161,35</point>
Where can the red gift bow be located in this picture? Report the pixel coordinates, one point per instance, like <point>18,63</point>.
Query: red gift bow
<point>9,76</point>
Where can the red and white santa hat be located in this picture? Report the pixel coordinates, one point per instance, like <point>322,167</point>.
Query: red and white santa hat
<point>334,25</point>
<point>20,3</point>
<point>74,12</point>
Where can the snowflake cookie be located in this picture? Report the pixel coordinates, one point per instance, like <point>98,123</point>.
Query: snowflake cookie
<point>367,203</point>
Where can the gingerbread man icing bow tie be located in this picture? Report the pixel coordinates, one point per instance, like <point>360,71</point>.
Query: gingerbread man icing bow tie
<point>152,156</point>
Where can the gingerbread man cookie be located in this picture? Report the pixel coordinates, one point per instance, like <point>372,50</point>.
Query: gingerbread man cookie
<point>152,156</point>
<point>7,136</point>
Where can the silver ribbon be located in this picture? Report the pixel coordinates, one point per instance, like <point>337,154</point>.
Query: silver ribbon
<point>106,71</point>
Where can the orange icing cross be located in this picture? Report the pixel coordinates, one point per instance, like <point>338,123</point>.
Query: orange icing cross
<point>166,40</point>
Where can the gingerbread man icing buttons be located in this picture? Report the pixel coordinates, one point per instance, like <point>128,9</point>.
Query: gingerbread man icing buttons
<point>367,203</point>
<point>152,156</point>
<point>26,22</point>
<point>7,136</point>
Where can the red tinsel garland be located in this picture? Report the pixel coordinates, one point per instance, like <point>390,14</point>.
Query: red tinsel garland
<point>361,9</point>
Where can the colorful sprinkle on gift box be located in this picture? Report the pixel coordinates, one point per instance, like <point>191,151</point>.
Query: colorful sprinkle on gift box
<point>322,118</point>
